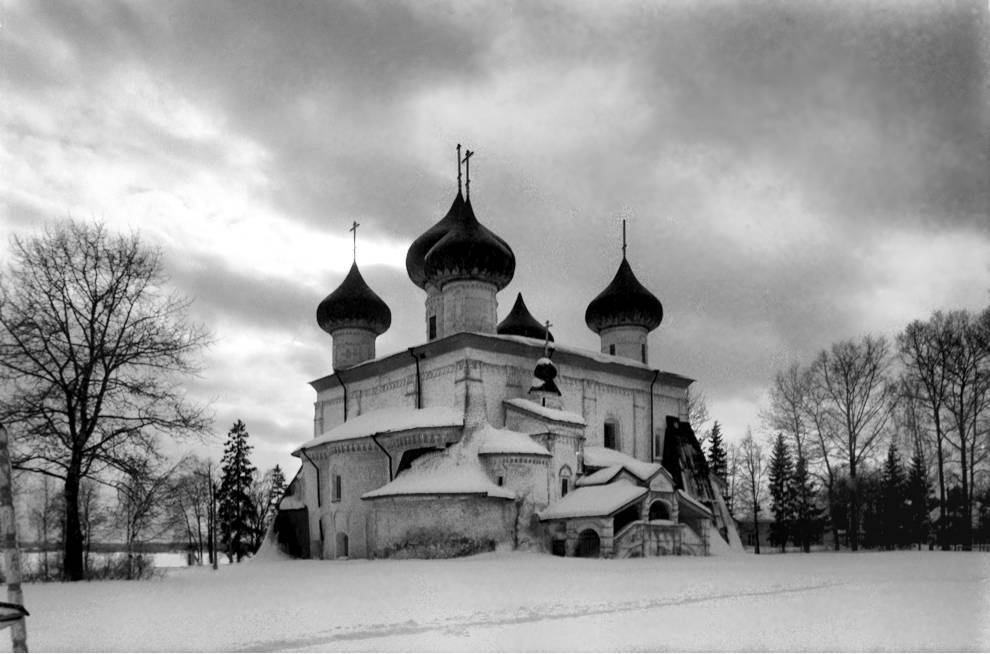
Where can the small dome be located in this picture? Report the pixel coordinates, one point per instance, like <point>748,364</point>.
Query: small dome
<point>416,255</point>
<point>353,305</point>
<point>624,302</point>
<point>520,322</point>
<point>470,251</point>
<point>543,377</point>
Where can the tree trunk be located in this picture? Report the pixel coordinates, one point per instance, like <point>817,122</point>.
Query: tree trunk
<point>940,528</point>
<point>756,530</point>
<point>853,507</point>
<point>72,561</point>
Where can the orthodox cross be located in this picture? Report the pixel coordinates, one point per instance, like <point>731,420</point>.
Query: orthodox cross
<point>354,229</point>
<point>623,238</point>
<point>546,339</point>
<point>467,173</point>
<point>458,167</point>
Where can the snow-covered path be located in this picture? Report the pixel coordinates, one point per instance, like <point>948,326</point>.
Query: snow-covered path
<point>516,601</point>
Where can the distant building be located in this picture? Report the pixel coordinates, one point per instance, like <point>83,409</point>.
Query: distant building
<point>491,435</point>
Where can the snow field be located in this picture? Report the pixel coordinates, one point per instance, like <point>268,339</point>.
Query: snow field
<point>518,601</point>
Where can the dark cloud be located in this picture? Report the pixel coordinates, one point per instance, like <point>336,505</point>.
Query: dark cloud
<point>763,152</point>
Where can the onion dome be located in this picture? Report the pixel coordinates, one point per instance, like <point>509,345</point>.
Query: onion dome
<point>543,377</point>
<point>624,302</point>
<point>353,305</point>
<point>470,251</point>
<point>416,255</point>
<point>520,322</point>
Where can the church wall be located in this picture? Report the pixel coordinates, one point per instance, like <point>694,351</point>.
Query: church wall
<point>439,526</point>
<point>529,477</point>
<point>362,467</point>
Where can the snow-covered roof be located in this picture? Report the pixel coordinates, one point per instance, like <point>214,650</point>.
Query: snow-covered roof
<point>545,412</point>
<point>590,501</point>
<point>596,456</point>
<point>290,502</point>
<point>386,421</point>
<point>557,347</point>
<point>453,471</point>
<point>693,503</point>
<point>506,441</point>
<point>599,477</point>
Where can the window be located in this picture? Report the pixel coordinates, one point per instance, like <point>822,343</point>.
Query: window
<point>611,435</point>
<point>643,352</point>
<point>433,327</point>
<point>565,480</point>
<point>611,349</point>
<point>501,481</point>
<point>336,488</point>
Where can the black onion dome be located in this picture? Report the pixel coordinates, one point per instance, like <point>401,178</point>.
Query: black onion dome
<point>624,302</point>
<point>520,322</point>
<point>416,255</point>
<point>353,305</point>
<point>470,251</point>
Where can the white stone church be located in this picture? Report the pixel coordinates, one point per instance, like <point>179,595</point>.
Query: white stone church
<point>489,435</point>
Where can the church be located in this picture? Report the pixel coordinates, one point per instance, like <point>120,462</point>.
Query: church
<point>489,434</point>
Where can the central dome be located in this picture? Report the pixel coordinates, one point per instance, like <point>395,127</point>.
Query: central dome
<point>416,255</point>
<point>467,251</point>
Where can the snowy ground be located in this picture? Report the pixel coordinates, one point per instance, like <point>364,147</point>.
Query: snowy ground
<point>515,601</point>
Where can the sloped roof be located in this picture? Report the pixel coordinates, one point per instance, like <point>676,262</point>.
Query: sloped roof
<point>545,412</point>
<point>456,470</point>
<point>506,441</point>
<point>596,456</point>
<point>387,421</point>
<point>593,501</point>
<point>600,477</point>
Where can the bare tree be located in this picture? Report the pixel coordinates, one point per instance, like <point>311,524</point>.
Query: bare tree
<point>824,432</point>
<point>924,350</point>
<point>752,462</point>
<point>788,409</point>
<point>92,348</point>
<point>191,492</point>
<point>968,399</point>
<point>144,494</point>
<point>860,397</point>
<point>698,416</point>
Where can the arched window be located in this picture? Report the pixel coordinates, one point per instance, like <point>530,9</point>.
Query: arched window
<point>565,480</point>
<point>611,438</point>
<point>341,544</point>
<point>337,488</point>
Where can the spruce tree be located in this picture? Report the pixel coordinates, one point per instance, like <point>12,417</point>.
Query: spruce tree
<point>781,478</point>
<point>718,460</point>
<point>234,497</point>
<point>919,500</point>
<point>892,500</point>
<point>806,514</point>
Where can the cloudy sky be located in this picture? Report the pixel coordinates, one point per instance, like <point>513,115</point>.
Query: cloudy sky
<point>793,173</point>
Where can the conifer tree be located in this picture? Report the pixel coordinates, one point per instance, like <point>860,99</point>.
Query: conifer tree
<point>781,475</point>
<point>919,500</point>
<point>892,500</point>
<point>718,461</point>
<point>806,515</point>
<point>234,497</point>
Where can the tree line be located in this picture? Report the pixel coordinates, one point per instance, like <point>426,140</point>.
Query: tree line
<point>887,441</point>
<point>95,352</point>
